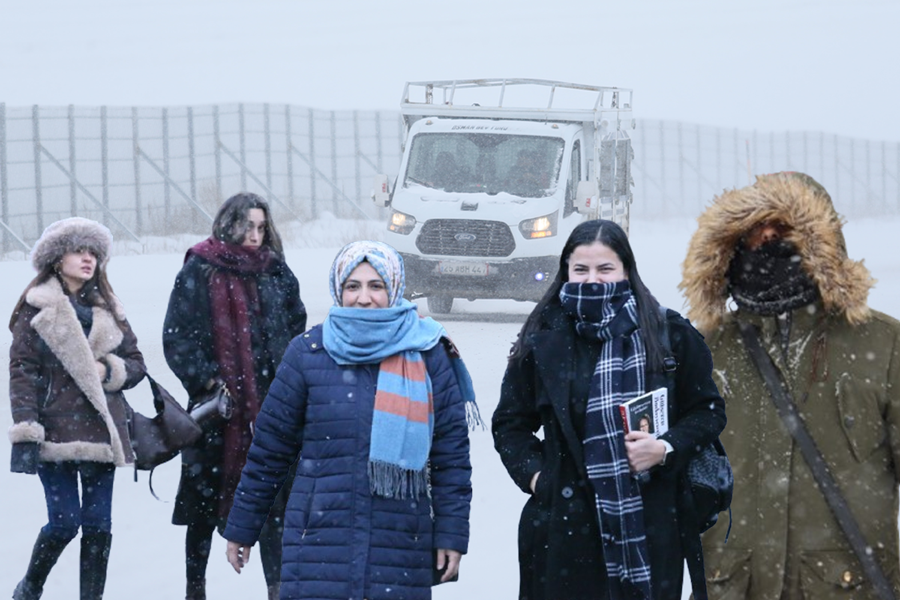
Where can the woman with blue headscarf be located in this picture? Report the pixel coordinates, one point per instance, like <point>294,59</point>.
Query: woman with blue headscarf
<point>375,402</point>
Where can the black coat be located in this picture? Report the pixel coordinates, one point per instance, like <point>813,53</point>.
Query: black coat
<point>188,347</point>
<point>560,553</point>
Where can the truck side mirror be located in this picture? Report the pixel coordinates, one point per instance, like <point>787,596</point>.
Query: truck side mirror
<point>381,191</point>
<point>586,197</point>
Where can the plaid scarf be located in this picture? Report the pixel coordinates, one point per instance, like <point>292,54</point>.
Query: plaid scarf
<point>608,312</point>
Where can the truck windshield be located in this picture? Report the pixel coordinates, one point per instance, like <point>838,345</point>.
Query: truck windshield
<point>522,165</point>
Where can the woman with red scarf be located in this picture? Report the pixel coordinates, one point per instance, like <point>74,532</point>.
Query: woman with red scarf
<point>234,309</point>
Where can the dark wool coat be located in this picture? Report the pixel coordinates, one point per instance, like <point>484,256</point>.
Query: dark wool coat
<point>842,367</point>
<point>57,397</point>
<point>340,542</point>
<point>189,351</point>
<point>560,552</point>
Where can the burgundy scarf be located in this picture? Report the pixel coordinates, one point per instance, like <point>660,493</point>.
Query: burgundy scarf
<point>234,304</point>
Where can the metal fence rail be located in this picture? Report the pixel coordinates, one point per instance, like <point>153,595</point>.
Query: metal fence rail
<point>158,171</point>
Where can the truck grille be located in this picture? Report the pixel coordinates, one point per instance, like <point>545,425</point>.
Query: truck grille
<point>461,237</point>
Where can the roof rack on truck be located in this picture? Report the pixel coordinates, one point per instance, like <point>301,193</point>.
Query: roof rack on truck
<point>489,99</point>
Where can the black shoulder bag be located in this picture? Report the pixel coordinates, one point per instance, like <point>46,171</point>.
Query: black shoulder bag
<point>784,404</point>
<point>710,482</point>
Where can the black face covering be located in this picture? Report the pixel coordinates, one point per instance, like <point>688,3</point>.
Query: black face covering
<point>769,280</point>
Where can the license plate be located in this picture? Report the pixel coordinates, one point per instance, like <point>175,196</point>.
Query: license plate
<point>463,268</point>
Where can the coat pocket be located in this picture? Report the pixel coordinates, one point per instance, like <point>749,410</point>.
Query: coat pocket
<point>838,574</point>
<point>728,573</point>
<point>860,417</point>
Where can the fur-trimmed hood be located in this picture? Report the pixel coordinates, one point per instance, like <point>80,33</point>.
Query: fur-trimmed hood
<point>805,207</point>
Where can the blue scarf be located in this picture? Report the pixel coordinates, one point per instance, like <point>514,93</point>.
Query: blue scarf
<point>403,418</point>
<point>608,312</point>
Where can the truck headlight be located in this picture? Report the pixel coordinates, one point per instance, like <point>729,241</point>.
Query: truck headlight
<point>540,227</point>
<point>401,223</point>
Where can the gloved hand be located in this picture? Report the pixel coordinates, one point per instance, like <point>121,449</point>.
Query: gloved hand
<point>25,457</point>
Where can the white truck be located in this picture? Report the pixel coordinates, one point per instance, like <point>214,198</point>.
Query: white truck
<point>494,177</point>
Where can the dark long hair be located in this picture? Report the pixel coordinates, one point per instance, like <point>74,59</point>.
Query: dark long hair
<point>613,237</point>
<point>230,222</point>
<point>97,290</point>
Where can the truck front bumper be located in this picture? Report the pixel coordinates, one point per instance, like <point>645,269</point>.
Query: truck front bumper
<point>515,279</point>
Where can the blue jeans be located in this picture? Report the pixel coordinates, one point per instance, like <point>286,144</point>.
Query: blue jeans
<point>66,512</point>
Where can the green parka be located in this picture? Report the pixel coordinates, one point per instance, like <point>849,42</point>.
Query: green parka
<point>842,365</point>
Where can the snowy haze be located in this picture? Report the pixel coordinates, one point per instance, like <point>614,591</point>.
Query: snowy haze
<point>147,560</point>
<point>772,65</point>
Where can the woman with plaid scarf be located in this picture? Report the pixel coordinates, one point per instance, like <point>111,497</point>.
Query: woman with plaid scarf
<point>605,516</point>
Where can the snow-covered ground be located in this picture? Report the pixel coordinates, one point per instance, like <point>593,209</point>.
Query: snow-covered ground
<point>147,554</point>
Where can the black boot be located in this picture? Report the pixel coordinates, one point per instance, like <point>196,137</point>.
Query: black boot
<point>47,548</point>
<point>196,590</point>
<point>94,558</point>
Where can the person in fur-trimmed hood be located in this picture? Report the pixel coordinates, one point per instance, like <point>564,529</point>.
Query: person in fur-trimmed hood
<point>771,257</point>
<point>72,354</point>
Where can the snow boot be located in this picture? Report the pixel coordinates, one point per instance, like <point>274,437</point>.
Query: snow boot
<point>275,591</point>
<point>94,559</point>
<point>47,548</point>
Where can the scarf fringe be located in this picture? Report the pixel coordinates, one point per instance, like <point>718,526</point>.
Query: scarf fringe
<point>391,481</point>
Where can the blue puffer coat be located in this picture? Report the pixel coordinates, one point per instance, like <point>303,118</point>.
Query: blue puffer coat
<point>340,542</point>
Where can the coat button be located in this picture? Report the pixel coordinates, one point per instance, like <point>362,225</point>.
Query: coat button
<point>313,345</point>
<point>849,421</point>
<point>567,492</point>
<point>847,577</point>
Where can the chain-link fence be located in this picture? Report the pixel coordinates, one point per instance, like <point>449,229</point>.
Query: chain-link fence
<point>159,171</point>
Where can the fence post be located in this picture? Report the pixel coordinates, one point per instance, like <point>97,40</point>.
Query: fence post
<point>73,188</point>
<point>243,147</point>
<point>38,191</point>
<point>290,154</point>
<point>268,142</point>
<point>681,165</point>
<point>737,162</point>
<point>644,166</point>
<point>380,157</point>
<point>195,223</point>
<point>852,170</point>
<point>137,172</point>
<point>334,169</point>
<point>167,192</point>
<point>356,151</point>
<point>699,169</point>
<point>868,172</point>
<point>805,153</point>
<point>104,162</point>
<point>218,151</point>
<point>4,183</point>
<point>837,170</point>
<point>312,165</point>
<point>755,167</point>
<point>662,167</point>
<point>787,150</point>
<point>884,177</point>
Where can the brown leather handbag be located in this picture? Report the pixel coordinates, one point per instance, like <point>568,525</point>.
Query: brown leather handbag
<point>160,438</point>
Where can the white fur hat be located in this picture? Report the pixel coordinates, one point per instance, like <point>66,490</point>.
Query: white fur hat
<point>70,235</point>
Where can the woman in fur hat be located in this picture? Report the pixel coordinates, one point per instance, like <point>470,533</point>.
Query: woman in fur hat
<point>606,516</point>
<point>770,258</point>
<point>234,308</point>
<point>375,403</point>
<point>73,352</point>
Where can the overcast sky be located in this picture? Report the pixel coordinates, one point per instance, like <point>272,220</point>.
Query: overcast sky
<point>815,65</point>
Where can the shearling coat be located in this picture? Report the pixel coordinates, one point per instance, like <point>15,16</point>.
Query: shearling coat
<point>842,365</point>
<point>57,397</point>
<point>560,551</point>
<point>341,541</point>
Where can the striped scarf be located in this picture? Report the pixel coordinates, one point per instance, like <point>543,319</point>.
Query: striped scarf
<point>608,312</point>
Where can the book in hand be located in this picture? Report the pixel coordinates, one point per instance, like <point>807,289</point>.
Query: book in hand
<point>648,413</point>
